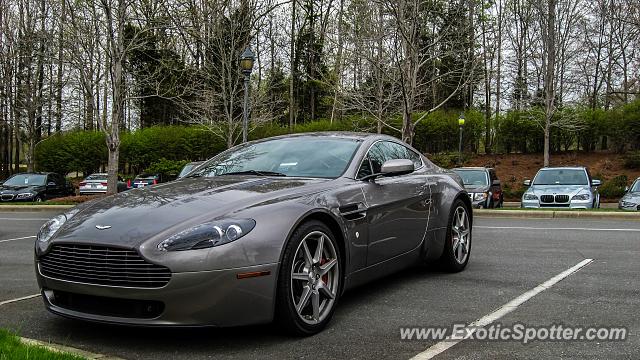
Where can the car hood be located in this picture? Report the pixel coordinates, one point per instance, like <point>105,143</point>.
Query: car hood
<point>632,197</point>
<point>20,189</point>
<point>558,189</point>
<point>476,188</point>
<point>137,215</point>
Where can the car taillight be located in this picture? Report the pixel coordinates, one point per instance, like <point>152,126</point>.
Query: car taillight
<point>155,181</point>
<point>83,183</point>
<point>103,183</point>
<point>129,183</point>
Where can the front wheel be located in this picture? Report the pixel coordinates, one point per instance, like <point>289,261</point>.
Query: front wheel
<point>457,247</point>
<point>309,282</point>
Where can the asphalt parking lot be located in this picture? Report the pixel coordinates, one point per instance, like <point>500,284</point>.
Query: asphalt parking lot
<point>509,258</point>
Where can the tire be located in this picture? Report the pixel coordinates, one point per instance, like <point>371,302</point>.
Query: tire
<point>308,316</point>
<point>454,257</point>
<point>37,199</point>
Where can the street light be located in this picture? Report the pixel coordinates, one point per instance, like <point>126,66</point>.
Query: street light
<point>246,64</point>
<point>461,124</point>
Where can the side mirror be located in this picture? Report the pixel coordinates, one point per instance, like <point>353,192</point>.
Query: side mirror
<point>496,182</point>
<point>527,183</point>
<point>626,188</point>
<point>595,182</point>
<point>51,184</point>
<point>397,167</point>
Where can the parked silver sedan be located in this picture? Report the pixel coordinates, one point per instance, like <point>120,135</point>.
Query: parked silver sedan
<point>562,187</point>
<point>97,184</point>
<point>631,200</point>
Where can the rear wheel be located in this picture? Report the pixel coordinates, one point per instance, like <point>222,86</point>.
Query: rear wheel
<point>309,282</point>
<point>37,199</point>
<point>457,247</point>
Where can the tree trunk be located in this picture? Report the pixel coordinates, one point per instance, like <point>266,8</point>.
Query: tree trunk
<point>292,77</point>
<point>549,75</point>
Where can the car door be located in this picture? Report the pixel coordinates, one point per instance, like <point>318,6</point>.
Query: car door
<point>397,206</point>
<point>52,186</point>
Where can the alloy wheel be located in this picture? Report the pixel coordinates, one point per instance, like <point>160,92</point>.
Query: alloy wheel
<point>460,235</point>
<point>315,275</point>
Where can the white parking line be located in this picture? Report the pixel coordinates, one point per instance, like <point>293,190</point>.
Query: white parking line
<point>501,311</point>
<point>18,299</point>
<point>552,228</point>
<point>20,238</point>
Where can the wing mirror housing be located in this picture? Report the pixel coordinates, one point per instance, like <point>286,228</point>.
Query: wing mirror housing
<point>626,188</point>
<point>527,182</point>
<point>595,182</point>
<point>397,167</point>
<point>496,182</point>
<point>393,167</point>
<point>51,184</point>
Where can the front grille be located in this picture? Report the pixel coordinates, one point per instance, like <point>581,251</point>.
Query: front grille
<point>102,265</point>
<point>107,306</point>
<point>562,198</point>
<point>7,197</point>
<point>546,198</point>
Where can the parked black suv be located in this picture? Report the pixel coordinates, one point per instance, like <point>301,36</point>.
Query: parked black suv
<point>35,186</point>
<point>483,186</point>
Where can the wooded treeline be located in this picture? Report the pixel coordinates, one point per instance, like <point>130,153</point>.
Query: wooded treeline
<point>118,65</point>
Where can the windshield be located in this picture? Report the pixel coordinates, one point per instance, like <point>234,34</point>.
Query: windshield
<point>26,179</point>
<point>636,186</point>
<point>473,177</point>
<point>186,169</point>
<point>561,177</point>
<point>321,157</point>
<point>97,177</point>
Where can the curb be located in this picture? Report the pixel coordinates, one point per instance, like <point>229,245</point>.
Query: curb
<point>67,349</point>
<point>16,208</point>
<point>563,214</point>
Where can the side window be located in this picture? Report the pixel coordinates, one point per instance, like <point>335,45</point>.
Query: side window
<point>383,151</point>
<point>365,168</point>
<point>53,178</point>
<point>397,151</point>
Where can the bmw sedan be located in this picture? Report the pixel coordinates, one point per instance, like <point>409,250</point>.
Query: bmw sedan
<point>631,199</point>
<point>35,187</point>
<point>562,187</point>
<point>276,229</point>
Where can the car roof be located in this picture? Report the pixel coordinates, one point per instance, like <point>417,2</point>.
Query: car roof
<point>33,173</point>
<point>564,167</point>
<point>335,134</point>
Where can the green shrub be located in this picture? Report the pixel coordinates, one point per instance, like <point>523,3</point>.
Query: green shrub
<point>614,188</point>
<point>166,168</point>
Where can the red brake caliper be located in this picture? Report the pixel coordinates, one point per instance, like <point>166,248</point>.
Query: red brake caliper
<point>325,277</point>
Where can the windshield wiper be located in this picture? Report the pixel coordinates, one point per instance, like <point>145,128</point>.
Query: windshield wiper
<point>255,172</point>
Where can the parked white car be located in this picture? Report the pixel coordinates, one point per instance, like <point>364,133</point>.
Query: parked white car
<point>562,187</point>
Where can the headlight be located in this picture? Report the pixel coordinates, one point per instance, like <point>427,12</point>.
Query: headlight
<point>479,196</point>
<point>208,235</point>
<point>529,197</point>
<point>24,195</point>
<point>585,196</point>
<point>626,204</point>
<point>50,227</point>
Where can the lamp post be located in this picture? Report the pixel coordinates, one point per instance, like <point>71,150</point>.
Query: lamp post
<point>246,64</point>
<point>461,124</point>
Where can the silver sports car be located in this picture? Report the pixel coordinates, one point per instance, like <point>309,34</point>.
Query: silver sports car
<point>275,229</point>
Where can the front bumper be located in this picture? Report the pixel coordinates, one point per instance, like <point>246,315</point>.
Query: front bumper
<point>632,207</point>
<point>572,204</point>
<point>204,298</point>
